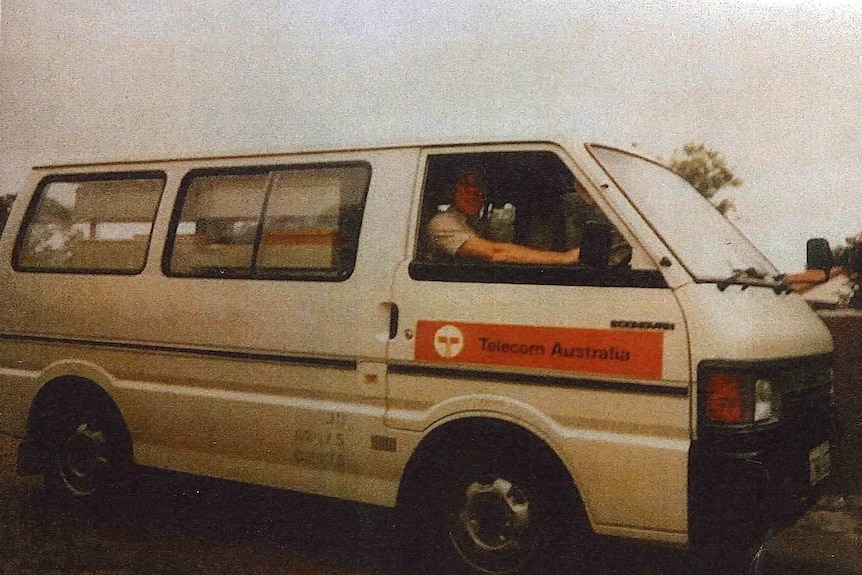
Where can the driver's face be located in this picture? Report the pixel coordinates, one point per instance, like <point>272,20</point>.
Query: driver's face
<point>469,195</point>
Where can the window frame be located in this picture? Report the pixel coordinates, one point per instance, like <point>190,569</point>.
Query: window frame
<point>470,271</point>
<point>255,273</point>
<point>38,195</point>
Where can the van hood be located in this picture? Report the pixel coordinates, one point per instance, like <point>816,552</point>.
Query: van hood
<point>750,323</point>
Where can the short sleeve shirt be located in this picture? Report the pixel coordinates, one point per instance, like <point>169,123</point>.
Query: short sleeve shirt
<point>449,230</point>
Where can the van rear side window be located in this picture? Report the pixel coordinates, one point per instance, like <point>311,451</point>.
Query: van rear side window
<point>90,223</point>
<point>298,222</point>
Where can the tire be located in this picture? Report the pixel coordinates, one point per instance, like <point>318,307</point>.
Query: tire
<point>88,453</point>
<point>502,514</point>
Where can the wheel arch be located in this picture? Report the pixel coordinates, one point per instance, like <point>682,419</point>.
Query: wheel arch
<point>480,432</point>
<point>59,394</point>
<point>450,458</point>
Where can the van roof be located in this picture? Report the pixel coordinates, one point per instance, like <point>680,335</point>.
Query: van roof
<point>440,143</point>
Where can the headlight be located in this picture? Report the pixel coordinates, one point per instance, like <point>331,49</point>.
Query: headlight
<point>764,401</point>
<point>737,398</point>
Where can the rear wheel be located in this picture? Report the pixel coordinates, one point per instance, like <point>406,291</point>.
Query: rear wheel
<point>88,453</point>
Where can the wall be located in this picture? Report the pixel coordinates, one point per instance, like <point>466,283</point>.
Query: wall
<point>846,328</point>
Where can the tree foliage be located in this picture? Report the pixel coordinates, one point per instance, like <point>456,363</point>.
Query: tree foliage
<point>849,257</point>
<point>706,170</point>
<point>842,253</point>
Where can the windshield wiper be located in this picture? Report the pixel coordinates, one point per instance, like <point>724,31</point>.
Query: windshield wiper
<point>782,285</point>
<point>740,274</point>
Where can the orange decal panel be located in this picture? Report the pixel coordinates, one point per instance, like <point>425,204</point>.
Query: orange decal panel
<point>601,351</point>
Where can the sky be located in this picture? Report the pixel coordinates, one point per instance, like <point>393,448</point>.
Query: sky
<point>775,86</point>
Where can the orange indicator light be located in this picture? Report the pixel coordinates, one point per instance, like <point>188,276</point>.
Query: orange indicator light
<point>724,402</point>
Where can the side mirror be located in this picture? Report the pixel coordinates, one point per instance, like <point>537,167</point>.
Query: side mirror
<point>818,256</point>
<point>596,244</point>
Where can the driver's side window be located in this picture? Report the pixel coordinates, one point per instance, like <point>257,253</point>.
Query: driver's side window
<point>530,199</point>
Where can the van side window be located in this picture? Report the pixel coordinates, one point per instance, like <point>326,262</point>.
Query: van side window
<point>297,222</point>
<point>530,199</point>
<point>90,224</point>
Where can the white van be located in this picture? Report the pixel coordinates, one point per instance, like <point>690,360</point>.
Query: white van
<point>289,320</point>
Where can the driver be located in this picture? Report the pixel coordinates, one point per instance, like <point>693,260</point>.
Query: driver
<point>455,231</point>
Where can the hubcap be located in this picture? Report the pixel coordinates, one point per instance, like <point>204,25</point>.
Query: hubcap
<point>492,530</point>
<point>84,459</point>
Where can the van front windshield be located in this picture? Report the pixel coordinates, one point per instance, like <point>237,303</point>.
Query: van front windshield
<point>705,242</point>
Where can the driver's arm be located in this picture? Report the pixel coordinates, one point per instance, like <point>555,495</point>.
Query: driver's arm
<point>482,249</point>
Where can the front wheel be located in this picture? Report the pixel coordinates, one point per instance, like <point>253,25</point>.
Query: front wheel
<point>494,524</point>
<point>503,515</point>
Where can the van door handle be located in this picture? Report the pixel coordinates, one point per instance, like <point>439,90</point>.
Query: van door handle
<point>393,321</point>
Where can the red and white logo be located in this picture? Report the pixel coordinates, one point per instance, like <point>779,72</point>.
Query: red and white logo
<point>622,352</point>
<point>448,341</point>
